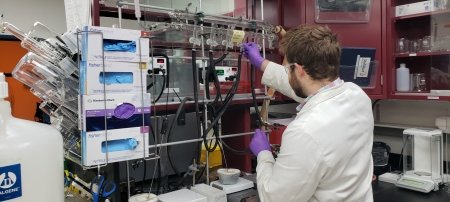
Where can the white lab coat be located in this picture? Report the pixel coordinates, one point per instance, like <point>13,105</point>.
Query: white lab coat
<point>325,152</point>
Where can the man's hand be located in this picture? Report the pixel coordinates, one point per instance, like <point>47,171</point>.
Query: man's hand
<point>259,142</point>
<point>251,51</point>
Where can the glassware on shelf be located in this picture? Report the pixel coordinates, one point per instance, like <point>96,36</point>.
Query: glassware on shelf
<point>419,82</point>
<point>414,46</point>
<point>402,45</point>
<point>440,4</point>
<point>425,44</point>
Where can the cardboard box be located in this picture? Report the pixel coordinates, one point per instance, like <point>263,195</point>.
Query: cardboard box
<point>414,8</point>
<point>126,132</point>
<point>112,77</point>
<point>120,45</point>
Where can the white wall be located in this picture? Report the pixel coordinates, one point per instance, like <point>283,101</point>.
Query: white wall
<point>23,13</point>
<point>418,113</point>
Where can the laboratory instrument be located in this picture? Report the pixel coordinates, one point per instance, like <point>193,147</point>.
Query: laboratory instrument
<point>51,72</point>
<point>246,195</point>
<point>185,195</point>
<point>241,184</point>
<point>422,159</point>
<point>389,178</point>
<point>212,194</point>
<point>31,156</point>
<point>145,197</point>
<point>228,176</point>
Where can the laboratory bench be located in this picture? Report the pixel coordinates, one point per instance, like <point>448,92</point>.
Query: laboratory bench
<point>387,192</point>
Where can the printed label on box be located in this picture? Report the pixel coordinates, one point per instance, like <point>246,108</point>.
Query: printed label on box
<point>115,127</point>
<point>112,77</point>
<point>362,67</point>
<point>113,44</point>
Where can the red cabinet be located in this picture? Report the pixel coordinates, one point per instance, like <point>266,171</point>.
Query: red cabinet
<point>371,34</point>
<point>422,42</point>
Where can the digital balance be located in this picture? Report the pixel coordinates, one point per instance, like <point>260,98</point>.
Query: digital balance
<point>422,160</point>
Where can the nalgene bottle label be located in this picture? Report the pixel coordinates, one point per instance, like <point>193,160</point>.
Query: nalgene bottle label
<point>10,182</point>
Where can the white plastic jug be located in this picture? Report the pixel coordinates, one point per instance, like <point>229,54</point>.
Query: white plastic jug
<point>403,83</point>
<point>31,158</point>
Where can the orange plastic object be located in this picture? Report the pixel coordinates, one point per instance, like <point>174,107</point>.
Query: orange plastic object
<point>23,102</point>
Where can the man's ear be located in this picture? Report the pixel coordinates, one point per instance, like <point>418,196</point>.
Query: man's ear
<point>284,61</point>
<point>300,70</point>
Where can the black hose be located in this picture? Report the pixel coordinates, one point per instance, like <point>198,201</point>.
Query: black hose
<point>162,88</point>
<point>205,141</point>
<point>259,121</point>
<point>212,70</point>
<point>216,79</point>
<point>208,72</point>
<point>229,97</point>
<point>239,152</point>
<point>375,103</point>
<point>169,132</point>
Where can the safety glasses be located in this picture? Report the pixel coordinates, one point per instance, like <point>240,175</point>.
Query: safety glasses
<point>287,67</point>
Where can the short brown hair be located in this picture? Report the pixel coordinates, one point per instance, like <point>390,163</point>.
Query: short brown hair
<point>315,48</point>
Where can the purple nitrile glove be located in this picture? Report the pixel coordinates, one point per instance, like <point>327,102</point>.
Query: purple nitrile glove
<point>251,51</point>
<point>259,142</point>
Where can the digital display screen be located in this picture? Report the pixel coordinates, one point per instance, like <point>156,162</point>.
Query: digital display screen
<point>161,60</point>
<point>413,182</point>
<point>220,72</point>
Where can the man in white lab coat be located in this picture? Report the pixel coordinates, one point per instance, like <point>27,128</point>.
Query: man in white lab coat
<point>326,151</point>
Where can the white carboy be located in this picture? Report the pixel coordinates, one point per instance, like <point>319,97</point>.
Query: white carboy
<point>31,157</point>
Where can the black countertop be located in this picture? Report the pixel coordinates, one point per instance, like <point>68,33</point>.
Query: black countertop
<point>386,192</point>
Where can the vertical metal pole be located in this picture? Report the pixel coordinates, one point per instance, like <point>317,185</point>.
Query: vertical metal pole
<point>263,31</point>
<point>128,180</point>
<point>205,104</point>
<point>264,41</point>
<point>207,167</point>
<point>119,11</point>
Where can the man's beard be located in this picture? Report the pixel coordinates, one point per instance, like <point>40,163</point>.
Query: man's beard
<point>296,86</point>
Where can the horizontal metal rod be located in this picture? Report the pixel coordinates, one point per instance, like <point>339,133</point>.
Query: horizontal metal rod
<point>120,3</point>
<point>207,16</point>
<point>211,100</point>
<point>199,140</point>
<point>205,58</point>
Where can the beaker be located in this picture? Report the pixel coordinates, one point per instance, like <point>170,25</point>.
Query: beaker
<point>419,82</point>
<point>402,45</point>
<point>426,44</point>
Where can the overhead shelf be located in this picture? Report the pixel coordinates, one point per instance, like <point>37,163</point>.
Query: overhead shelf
<point>406,17</point>
<point>422,54</point>
<point>418,96</point>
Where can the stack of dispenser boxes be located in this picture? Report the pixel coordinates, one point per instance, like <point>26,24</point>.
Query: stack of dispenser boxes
<point>114,106</point>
